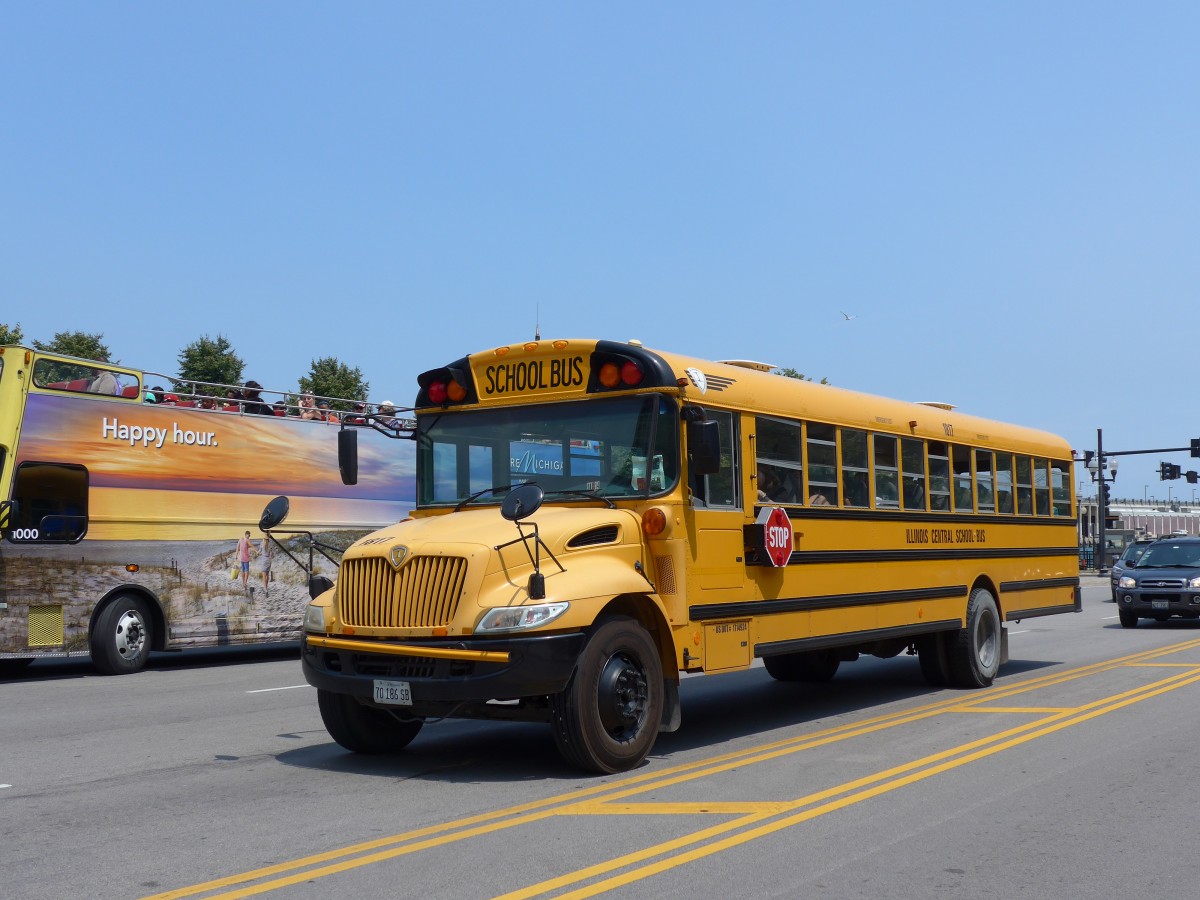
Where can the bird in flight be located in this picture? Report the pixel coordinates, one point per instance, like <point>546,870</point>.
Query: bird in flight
<point>846,316</point>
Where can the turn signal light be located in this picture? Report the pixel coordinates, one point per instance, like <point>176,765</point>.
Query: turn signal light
<point>654,521</point>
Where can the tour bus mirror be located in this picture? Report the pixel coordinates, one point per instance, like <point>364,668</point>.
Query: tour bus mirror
<point>523,500</point>
<point>319,584</point>
<point>704,447</point>
<point>348,455</point>
<point>274,514</point>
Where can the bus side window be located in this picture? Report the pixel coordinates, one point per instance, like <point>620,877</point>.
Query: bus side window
<point>51,503</point>
<point>912,453</point>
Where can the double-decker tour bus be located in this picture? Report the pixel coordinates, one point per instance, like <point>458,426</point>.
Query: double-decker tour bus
<point>122,505</point>
<point>594,518</point>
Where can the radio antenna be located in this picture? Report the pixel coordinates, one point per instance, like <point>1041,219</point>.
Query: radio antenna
<point>537,322</point>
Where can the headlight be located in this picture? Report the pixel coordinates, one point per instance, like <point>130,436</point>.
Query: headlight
<point>1194,584</point>
<point>1127,582</point>
<point>314,619</point>
<point>517,618</point>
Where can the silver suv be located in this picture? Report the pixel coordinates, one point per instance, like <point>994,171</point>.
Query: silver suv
<point>1132,553</point>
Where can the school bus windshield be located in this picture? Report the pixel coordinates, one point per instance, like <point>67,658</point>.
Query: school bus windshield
<point>620,447</point>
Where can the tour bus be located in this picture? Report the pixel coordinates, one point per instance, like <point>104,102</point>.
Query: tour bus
<point>594,518</point>
<point>120,512</point>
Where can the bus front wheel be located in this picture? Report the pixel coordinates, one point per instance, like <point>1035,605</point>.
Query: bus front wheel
<point>121,636</point>
<point>606,720</point>
<point>934,659</point>
<point>974,652</point>
<point>364,729</point>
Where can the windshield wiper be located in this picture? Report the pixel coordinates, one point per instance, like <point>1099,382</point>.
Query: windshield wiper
<point>588,495</point>
<point>475,496</point>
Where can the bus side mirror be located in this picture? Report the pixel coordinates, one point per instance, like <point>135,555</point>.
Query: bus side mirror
<point>348,455</point>
<point>704,447</point>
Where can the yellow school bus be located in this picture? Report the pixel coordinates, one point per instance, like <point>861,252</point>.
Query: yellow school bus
<point>594,518</point>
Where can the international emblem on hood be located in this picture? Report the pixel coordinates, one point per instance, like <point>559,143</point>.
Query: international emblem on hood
<point>399,554</point>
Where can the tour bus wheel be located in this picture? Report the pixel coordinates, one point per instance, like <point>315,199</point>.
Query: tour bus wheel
<point>606,719</point>
<point>121,636</point>
<point>974,652</point>
<point>11,667</point>
<point>364,729</point>
<point>817,666</point>
<point>931,653</point>
<point>1128,618</point>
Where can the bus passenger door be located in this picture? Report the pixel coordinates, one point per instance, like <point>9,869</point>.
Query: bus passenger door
<point>717,565</point>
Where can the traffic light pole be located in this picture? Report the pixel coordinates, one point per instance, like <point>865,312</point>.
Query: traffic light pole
<point>1101,506</point>
<point>1102,491</point>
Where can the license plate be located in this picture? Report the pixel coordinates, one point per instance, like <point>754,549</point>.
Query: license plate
<point>393,693</point>
<point>1154,604</point>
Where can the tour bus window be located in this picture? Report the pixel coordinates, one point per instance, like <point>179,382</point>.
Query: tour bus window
<point>887,495</point>
<point>1060,482</point>
<point>1004,483</point>
<point>822,465</point>
<point>719,490</point>
<point>1041,486</point>
<point>984,495</point>
<point>961,459</point>
<point>939,476</point>
<point>912,460</point>
<point>50,503</point>
<point>1024,486</point>
<point>777,445</point>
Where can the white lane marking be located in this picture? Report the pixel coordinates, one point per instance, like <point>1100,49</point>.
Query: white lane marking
<point>1022,631</point>
<point>290,687</point>
<point>2,786</point>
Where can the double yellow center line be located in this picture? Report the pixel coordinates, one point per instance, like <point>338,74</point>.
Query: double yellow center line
<point>752,820</point>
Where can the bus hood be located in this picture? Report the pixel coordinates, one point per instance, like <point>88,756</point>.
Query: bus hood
<point>437,575</point>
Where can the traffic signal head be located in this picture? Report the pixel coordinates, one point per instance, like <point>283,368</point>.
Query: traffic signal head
<point>1192,477</point>
<point>1195,446</point>
<point>1168,471</point>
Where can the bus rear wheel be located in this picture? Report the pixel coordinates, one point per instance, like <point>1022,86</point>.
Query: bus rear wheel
<point>816,666</point>
<point>121,636</point>
<point>974,652</point>
<point>364,729</point>
<point>607,718</point>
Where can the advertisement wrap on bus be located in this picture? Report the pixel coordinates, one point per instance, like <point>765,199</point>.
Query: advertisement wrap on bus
<point>123,520</point>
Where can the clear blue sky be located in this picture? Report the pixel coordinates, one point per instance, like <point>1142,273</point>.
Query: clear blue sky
<point>1005,196</point>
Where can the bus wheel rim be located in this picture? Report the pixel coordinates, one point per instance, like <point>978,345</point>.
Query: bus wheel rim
<point>131,634</point>
<point>623,695</point>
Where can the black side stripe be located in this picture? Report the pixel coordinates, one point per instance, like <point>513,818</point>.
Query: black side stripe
<point>1037,584</point>
<point>824,557</point>
<point>706,611</point>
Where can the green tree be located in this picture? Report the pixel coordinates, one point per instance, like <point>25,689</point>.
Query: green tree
<point>789,372</point>
<point>11,335</point>
<point>329,377</point>
<point>78,343</point>
<point>209,360</point>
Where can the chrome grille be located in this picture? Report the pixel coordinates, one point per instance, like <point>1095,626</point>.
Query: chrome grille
<point>424,593</point>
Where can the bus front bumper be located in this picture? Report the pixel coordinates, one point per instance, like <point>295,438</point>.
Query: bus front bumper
<point>442,674</point>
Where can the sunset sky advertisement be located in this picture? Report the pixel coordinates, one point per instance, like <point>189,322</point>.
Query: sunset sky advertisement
<point>144,446</point>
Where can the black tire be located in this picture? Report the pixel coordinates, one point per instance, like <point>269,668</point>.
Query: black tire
<point>1128,618</point>
<point>816,666</point>
<point>607,718</point>
<point>974,652</point>
<point>364,729</point>
<point>935,664</point>
<point>122,636</point>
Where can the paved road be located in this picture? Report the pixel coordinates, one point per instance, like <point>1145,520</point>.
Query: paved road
<point>210,775</point>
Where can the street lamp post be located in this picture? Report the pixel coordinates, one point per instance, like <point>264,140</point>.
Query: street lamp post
<point>1095,467</point>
